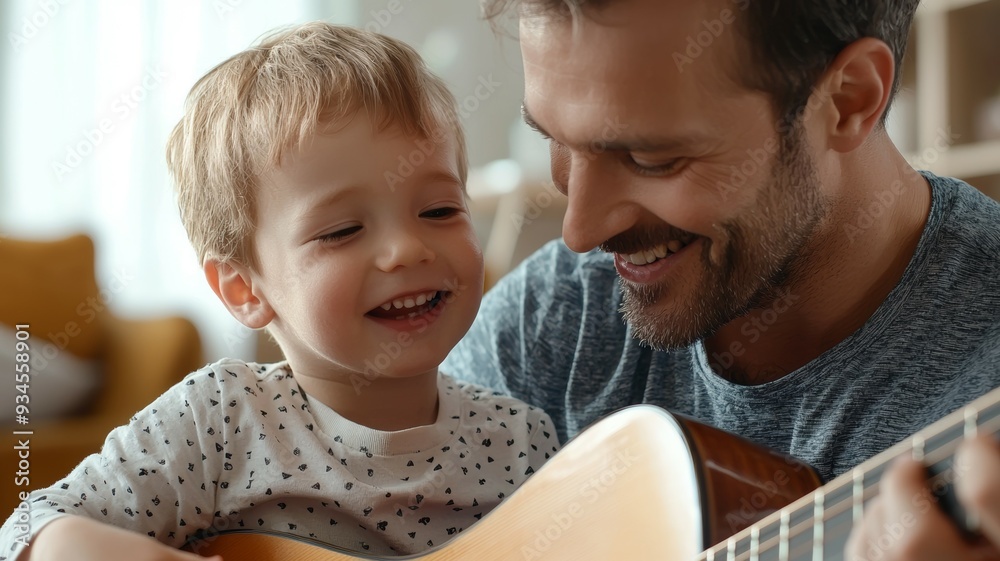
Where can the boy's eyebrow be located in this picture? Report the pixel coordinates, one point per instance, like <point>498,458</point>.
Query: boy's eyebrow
<point>635,143</point>
<point>331,199</point>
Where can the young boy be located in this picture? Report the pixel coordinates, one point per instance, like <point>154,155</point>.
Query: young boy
<point>321,179</point>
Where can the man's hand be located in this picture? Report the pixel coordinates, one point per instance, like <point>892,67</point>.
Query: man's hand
<point>83,539</point>
<point>905,523</point>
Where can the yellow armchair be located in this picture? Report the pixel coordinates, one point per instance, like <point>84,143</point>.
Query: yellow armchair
<point>51,286</point>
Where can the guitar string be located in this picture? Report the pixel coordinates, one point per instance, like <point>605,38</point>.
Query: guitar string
<point>941,452</point>
<point>783,545</point>
<point>806,526</point>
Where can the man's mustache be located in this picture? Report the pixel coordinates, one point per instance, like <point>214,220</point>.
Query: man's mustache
<point>642,238</point>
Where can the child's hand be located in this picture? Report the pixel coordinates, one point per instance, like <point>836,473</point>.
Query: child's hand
<point>83,539</point>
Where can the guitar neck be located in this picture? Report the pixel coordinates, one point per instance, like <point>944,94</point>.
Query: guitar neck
<point>816,526</point>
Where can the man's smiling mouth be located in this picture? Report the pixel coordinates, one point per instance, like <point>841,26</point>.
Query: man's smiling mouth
<point>658,251</point>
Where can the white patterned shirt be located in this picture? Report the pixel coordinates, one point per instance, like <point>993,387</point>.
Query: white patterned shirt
<point>240,446</point>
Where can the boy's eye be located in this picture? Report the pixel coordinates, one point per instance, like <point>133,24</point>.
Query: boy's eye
<point>443,212</point>
<point>339,234</point>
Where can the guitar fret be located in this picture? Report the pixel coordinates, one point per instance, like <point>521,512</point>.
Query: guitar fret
<point>971,422</point>
<point>858,494</point>
<point>818,520</point>
<point>918,447</point>
<point>783,536</point>
<point>971,430</point>
<point>848,493</point>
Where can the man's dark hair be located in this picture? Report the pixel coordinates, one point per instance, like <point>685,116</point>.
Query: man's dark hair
<point>792,42</point>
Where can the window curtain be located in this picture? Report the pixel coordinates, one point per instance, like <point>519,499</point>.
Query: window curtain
<point>90,92</point>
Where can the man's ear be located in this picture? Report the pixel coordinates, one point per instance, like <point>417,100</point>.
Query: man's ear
<point>233,284</point>
<point>856,86</point>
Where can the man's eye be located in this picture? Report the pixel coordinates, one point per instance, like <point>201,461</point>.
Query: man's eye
<point>660,169</point>
<point>443,212</point>
<point>339,234</point>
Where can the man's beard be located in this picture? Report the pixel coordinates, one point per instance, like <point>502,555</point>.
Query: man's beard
<point>763,250</point>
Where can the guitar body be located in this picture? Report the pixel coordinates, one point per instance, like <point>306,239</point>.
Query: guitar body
<point>640,484</point>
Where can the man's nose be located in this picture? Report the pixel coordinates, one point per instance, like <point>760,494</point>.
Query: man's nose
<point>598,208</point>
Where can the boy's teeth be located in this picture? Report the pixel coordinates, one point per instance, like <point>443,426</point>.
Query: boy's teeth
<point>674,246</point>
<point>409,302</point>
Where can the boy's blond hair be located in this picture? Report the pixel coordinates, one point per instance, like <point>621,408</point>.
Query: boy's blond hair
<point>246,112</point>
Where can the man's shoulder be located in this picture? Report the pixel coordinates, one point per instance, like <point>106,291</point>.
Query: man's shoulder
<point>965,256</point>
<point>972,218</point>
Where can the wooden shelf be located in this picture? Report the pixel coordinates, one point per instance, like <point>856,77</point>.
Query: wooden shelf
<point>933,7</point>
<point>951,71</point>
<point>963,160</point>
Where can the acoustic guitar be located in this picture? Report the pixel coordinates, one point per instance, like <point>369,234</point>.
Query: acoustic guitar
<point>645,484</point>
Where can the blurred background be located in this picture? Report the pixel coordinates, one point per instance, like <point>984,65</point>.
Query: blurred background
<point>91,89</point>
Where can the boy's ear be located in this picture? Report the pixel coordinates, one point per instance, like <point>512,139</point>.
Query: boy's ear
<point>233,284</point>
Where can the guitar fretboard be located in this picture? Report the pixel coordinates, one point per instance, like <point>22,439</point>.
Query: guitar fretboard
<point>816,527</point>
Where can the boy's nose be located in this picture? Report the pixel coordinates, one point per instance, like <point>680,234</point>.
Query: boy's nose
<point>402,249</point>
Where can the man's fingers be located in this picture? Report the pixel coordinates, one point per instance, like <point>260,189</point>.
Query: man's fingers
<point>913,524</point>
<point>978,484</point>
<point>862,542</point>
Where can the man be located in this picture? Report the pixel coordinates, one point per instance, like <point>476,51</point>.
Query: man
<point>743,243</point>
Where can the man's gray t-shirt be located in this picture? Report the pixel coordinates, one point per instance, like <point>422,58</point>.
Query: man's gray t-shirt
<point>550,333</point>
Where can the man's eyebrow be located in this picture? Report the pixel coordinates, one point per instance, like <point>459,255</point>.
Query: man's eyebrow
<point>634,143</point>
<point>530,121</point>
